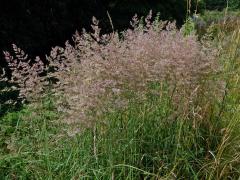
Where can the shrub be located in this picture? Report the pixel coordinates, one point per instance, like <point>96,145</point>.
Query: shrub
<point>189,27</point>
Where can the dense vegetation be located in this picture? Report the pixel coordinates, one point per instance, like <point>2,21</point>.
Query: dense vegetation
<point>154,101</point>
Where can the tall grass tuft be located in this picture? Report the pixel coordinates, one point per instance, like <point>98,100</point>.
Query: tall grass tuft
<point>159,105</point>
<point>99,69</point>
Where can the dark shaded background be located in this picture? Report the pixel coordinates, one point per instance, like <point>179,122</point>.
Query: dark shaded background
<point>37,25</point>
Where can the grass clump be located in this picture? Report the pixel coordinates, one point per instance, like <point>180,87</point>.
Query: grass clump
<point>147,139</point>
<point>156,102</point>
<point>99,69</point>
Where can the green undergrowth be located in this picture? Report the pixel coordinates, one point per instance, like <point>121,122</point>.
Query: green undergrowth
<point>143,141</point>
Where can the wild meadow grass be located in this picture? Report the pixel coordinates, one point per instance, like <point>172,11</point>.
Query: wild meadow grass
<point>163,133</point>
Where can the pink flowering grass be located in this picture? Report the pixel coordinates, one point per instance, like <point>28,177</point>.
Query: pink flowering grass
<point>25,73</point>
<point>99,69</point>
<point>96,71</point>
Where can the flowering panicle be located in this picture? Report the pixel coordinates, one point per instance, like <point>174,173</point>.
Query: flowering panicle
<point>25,73</point>
<point>101,67</point>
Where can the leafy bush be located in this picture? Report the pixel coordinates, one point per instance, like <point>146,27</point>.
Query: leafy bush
<point>189,27</point>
